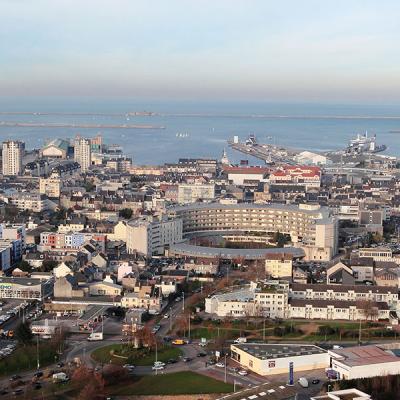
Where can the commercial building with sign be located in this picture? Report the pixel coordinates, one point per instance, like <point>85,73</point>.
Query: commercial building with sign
<point>25,288</point>
<point>272,359</point>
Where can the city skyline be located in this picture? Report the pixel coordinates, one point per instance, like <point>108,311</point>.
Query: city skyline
<point>208,50</point>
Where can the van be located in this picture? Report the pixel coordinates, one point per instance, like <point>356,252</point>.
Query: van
<point>303,382</point>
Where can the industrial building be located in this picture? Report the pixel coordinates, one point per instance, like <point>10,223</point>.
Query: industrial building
<point>272,359</point>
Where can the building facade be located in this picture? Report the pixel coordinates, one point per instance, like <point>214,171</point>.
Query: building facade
<point>310,227</point>
<point>83,153</point>
<point>13,151</point>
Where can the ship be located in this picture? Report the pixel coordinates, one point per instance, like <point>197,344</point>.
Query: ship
<point>364,144</point>
<point>251,140</point>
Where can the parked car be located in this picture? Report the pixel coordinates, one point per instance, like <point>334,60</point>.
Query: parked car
<point>220,365</point>
<point>243,372</point>
<point>157,367</point>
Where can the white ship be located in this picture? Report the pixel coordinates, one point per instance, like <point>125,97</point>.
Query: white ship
<point>364,144</point>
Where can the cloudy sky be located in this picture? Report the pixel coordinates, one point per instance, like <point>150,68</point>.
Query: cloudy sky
<point>202,49</point>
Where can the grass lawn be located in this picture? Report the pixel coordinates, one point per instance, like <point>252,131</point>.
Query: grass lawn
<point>212,333</point>
<point>134,356</point>
<point>24,359</point>
<point>185,382</point>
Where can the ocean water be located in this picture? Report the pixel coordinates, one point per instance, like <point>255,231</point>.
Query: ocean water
<point>208,125</point>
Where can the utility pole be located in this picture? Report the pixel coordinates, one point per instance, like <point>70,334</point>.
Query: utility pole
<point>183,304</point>
<point>264,329</point>
<point>359,334</point>
<point>189,328</point>
<point>37,352</point>
<point>225,369</point>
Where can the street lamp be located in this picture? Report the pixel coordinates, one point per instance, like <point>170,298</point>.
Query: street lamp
<point>225,368</point>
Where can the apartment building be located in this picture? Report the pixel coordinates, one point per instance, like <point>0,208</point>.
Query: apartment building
<point>151,236</point>
<point>147,297</point>
<point>190,193</point>
<point>269,299</point>
<point>337,310</point>
<point>51,186</point>
<point>34,202</point>
<point>310,227</point>
<point>279,265</point>
<point>343,293</point>
<point>83,153</point>
<point>13,151</point>
<point>72,240</point>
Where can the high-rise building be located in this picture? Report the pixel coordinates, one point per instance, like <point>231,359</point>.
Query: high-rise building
<point>83,153</point>
<point>13,151</point>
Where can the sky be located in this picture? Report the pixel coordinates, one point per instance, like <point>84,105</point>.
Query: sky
<point>286,50</point>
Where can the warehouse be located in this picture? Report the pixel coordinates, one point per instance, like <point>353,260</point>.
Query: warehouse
<point>271,359</point>
<point>365,361</point>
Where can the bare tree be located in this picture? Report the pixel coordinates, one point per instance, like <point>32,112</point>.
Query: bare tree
<point>369,309</point>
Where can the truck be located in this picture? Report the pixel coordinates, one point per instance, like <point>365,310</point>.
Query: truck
<point>94,336</point>
<point>303,382</point>
<point>60,377</point>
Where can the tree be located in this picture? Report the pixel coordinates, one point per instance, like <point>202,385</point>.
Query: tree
<point>91,384</point>
<point>368,309</point>
<point>48,265</point>
<point>126,213</point>
<point>23,334</point>
<point>24,266</point>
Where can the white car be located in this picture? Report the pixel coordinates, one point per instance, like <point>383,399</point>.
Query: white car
<point>157,367</point>
<point>220,365</point>
<point>243,372</point>
<point>158,363</point>
<point>129,367</point>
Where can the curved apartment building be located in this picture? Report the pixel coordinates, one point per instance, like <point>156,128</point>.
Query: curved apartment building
<point>311,227</point>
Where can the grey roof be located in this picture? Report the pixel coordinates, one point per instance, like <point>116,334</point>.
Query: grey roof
<point>21,281</point>
<point>250,254</point>
<point>273,351</point>
<point>252,206</point>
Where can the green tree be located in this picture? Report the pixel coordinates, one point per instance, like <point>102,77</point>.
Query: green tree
<point>125,213</point>
<point>23,334</point>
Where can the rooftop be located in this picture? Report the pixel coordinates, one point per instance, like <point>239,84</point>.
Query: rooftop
<point>364,355</point>
<point>272,351</point>
<point>267,391</point>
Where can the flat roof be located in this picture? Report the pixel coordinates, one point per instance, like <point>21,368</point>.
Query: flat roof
<point>250,254</point>
<point>324,211</point>
<point>21,281</point>
<point>270,391</point>
<point>265,351</point>
<point>363,355</point>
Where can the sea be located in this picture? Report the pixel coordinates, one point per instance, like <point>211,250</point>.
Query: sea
<point>199,128</point>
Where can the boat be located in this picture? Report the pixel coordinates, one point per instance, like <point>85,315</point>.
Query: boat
<point>251,140</point>
<point>364,144</point>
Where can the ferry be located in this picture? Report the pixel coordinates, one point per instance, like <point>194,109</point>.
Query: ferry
<point>364,144</point>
